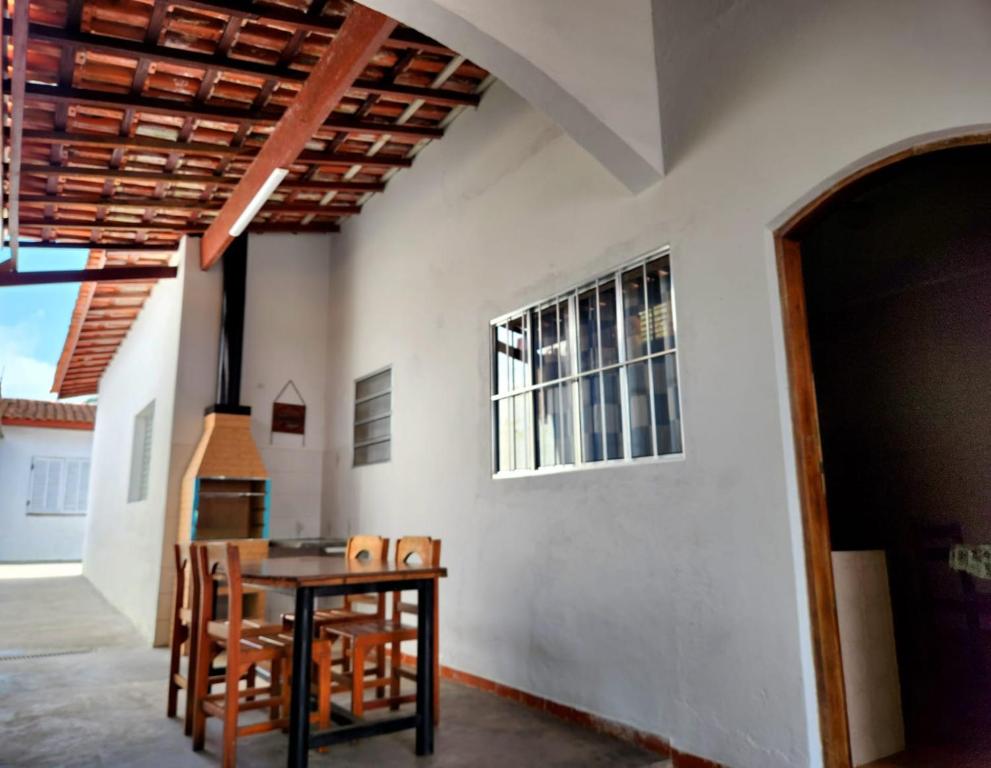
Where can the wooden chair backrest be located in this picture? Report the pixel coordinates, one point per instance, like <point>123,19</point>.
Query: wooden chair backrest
<point>183,582</point>
<point>376,547</point>
<point>421,550</point>
<point>220,563</point>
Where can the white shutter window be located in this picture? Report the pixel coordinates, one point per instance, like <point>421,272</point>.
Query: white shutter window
<point>76,485</point>
<point>53,488</point>
<point>38,501</point>
<point>58,486</point>
<point>141,454</point>
<point>71,486</point>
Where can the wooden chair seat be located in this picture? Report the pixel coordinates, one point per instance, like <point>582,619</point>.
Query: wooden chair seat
<point>374,631</point>
<point>249,628</point>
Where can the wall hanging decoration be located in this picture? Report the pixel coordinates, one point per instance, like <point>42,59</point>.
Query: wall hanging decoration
<point>289,417</point>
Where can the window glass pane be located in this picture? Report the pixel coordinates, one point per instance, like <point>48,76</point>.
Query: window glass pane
<point>518,363</point>
<point>521,454</point>
<point>566,426</point>
<point>591,405</point>
<point>372,430</point>
<point>659,298</point>
<point>502,359</point>
<point>608,324</point>
<point>370,409</point>
<point>547,351</point>
<point>613,413</point>
<point>504,434</point>
<point>667,411</point>
<point>564,334</point>
<point>634,314</point>
<point>588,331</point>
<point>373,385</point>
<point>548,417</point>
<point>373,454</point>
<point>641,441</point>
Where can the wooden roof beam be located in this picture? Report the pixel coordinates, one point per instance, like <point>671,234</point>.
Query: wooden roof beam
<point>394,91</point>
<point>106,274</point>
<point>360,37</point>
<point>93,244</point>
<point>400,37</point>
<point>298,185</point>
<point>174,203</point>
<point>199,148</point>
<point>19,32</point>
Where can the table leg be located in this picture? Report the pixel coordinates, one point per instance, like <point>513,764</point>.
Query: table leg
<point>425,667</point>
<point>299,709</point>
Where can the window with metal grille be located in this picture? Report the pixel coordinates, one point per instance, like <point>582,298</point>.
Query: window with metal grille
<point>373,418</point>
<point>589,377</point>
<point>58,486</point>
<point>137,489</point>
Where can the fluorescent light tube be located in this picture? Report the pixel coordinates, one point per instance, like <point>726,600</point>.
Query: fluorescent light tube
<point>261,196</point>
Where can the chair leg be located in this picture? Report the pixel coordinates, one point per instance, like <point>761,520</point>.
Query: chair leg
<point>380,670</point>
<point>190,683</point>
<point>231,700</point>
<point>250,680</point>
<point>358,680</point>
<point>200,689</point>
<point>275,688</point>
<point>174,661</point>
<point>323,695</point>
<point>395,658</point>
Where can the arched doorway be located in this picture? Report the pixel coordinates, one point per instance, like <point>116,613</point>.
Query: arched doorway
<point>867,273</point>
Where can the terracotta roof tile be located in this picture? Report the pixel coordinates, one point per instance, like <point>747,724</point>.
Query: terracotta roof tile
<point>17,411</point>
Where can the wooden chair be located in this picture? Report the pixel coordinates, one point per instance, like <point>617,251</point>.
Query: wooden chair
<point>185,607</point>
<point>246,645</point>
<point>365,635</point>
<point>359,547</point>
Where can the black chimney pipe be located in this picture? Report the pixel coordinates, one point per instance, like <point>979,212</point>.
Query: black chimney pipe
<point>235,266</point>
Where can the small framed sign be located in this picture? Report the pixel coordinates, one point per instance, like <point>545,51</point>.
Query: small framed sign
<point>289,417</point>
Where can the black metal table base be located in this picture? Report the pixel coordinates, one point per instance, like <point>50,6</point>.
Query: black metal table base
<point>300,739</point>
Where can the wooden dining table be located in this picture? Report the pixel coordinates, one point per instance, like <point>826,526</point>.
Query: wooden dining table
<point>312,577</point>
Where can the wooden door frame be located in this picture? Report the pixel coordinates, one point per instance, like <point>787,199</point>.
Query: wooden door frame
<point>828,662</point>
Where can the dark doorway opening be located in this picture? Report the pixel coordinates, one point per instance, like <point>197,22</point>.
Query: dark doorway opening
<point>897,289</point>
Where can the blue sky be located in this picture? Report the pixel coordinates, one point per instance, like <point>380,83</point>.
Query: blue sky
<point>33,323</point>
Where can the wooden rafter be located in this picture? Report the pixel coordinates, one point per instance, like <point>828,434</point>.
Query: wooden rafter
<point>280,74</point>
<point>19,81</point>
<point>361,35</point>
<point>102,275</point>
<point>300,185</point>
<point>273,14</point>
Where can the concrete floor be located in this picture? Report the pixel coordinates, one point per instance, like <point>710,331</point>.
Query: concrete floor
<point>101,702</point>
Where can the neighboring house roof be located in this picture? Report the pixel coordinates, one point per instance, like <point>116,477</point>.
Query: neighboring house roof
<point>43,413</point>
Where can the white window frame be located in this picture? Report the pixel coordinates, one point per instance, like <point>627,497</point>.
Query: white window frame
<point>576,375</point>
<point>139,476</point>
<point>356,423</point>
<point>83,463</point>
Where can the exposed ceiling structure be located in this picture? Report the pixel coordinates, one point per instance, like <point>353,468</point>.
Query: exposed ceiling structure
<point>140,118</point>
<point>102,317</point>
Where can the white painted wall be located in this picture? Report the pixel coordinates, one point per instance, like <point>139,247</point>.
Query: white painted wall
<point>127,554</point>
<point>285,337</point>
<point>124,539</point>
<point>24,537</point>
<point>588,66</point>
<point>669,596</point>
